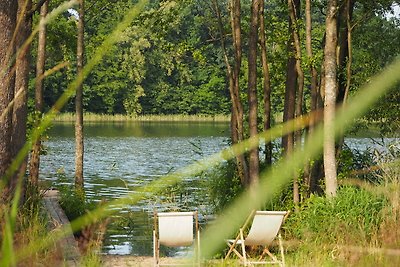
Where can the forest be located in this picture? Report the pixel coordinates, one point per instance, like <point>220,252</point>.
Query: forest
<point>305,73</point>
<point>170,61</point>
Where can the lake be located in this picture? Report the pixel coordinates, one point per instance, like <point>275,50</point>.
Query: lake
<point>122,156</point>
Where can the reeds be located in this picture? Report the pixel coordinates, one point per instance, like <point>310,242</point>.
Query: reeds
<point>213,237</point>
<point>93,117</point>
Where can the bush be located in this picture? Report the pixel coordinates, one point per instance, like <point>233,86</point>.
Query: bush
<point>353,216</point>
<point>223,185</point>
<point>354,163</point>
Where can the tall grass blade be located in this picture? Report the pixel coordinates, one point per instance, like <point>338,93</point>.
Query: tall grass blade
<point>271,181</point>
<point>49,117</point>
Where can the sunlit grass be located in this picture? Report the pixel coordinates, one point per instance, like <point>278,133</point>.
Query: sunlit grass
<point>226,224</point>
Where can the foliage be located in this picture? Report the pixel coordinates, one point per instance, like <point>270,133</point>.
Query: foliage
<point>73,201</point>
<point>169,61</point>
<point>371,54</point>
<point>355,211</point>
<point>223,185</point>
<point>356,163</point>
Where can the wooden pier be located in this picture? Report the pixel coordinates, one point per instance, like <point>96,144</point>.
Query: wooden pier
<point>58,219</point>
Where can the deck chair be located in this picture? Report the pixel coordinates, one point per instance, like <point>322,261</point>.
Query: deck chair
<point>264,229</point>
<point>175,229</point>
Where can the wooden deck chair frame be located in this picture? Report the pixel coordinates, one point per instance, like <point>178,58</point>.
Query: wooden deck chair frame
<point>175,229</point>
<point>257,240</point>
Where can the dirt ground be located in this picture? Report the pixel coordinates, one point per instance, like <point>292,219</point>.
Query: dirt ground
<point>122,261</point>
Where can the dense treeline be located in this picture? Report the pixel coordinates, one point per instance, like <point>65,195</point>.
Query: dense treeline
<point>262,62</point>
<point>258,61</point>
<point>171,62</point>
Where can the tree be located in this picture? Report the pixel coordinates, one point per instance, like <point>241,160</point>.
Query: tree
<point>233,73</point>
<point>330,98</point>
<point>79,148</point>
<point>266,84</point>
<point>34,162</point>
<point>8,13</point>
<point>294,76</point>
<point>22,69</point>
<point>312,170</point>
<point>252,91</point>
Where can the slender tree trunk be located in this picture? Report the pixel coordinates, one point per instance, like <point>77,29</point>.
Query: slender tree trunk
<point>294,12</point>
<point>8,13</point>
<point>237,46</point>
<point>237,109</point>
<point>311,175</point>
<point>315,96</point>
<point>79,149</point>
<point>290,92</point>
<point>40,66</point>
<point>344,64</point>
<point>266,85</point>
<point>252,91</point>
<point>330,99</point>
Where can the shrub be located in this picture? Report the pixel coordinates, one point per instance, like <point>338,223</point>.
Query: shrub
<point>353,216</point>
<point>223,185</point>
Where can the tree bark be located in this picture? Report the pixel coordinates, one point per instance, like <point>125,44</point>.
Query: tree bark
<point>266,85</point>
<point>20,110</point>
<point>345,59</point>
<point>290,92</point>
<point>40,66</point>
<point>312,170</point>
<point>330,98</point>
<point>315,96</point>
<point>252,92</point>
<point>8,14</point>
<point>294,13</point>
<point>233,78</point>
<point>79,148</point>
<point>237,47</point>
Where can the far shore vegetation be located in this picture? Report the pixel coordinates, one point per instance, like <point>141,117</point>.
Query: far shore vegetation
<point>92,117</point>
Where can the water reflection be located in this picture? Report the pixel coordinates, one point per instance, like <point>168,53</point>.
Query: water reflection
<point>119,157</point>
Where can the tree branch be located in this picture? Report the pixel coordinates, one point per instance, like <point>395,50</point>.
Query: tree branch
<point>38,5</point>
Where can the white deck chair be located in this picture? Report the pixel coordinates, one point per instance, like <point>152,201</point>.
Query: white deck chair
<point>175,229</point>
<point>264,229</point>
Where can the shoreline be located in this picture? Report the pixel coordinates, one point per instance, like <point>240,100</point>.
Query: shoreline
<point>92,117</point>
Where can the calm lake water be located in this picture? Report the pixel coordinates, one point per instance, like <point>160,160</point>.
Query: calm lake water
<point>120,157</point>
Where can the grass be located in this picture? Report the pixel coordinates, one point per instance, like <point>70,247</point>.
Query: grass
<point>358,228</point>
<point>324,245</point>
<point>92,117</point>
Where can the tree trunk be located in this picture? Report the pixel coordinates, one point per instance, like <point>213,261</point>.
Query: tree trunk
<point>79,149</point>
<point>236,110</point>
<point>20,110</point>
<point>237,103</point>
<point>294,13</point>
<point>236,123</point>
<point>290,100</point>
<point>252,91</point>
<point>344,64</point>
<point>266,85</point>
<point>8,13</point>
<point>311,173</point>
<point>40,66</point>
<point>330,99</point>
